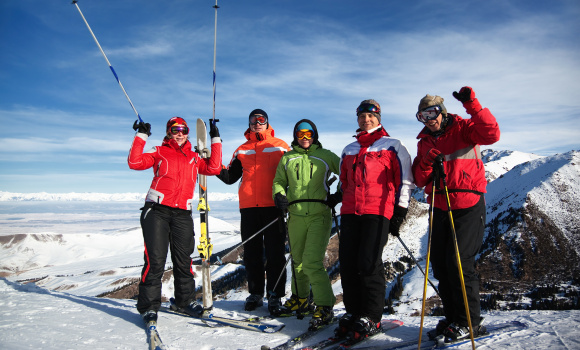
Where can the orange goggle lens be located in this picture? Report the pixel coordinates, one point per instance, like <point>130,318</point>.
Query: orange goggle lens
<point>304,134</point>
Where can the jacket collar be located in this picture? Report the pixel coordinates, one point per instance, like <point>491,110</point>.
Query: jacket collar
<point>259,136</point>
<point>367,138</point>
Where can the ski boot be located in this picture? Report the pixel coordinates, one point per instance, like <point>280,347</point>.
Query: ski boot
<point>253,302</point>
<point>365,327</point>
<point>322,316</point>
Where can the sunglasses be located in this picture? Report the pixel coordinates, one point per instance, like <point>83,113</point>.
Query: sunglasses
<point>258,119</point>
<point>174,130</point>
<point>429,113</point>
<point>367,107</point>
<point>304,134</point>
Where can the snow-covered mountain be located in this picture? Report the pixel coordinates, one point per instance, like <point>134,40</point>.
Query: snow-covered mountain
<point>75,249</point>
<point>533,231</point>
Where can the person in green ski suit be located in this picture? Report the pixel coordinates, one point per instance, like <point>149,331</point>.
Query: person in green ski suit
<point>301,186</point>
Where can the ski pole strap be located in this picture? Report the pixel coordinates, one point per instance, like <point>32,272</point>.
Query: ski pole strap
<point>459,190</point>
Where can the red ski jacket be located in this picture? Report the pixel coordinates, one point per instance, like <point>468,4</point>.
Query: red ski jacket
<point>375,175</point>
<point>175,169</point>
<point>465,173</point>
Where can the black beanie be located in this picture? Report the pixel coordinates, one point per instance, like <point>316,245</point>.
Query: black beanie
<point>259,112</point>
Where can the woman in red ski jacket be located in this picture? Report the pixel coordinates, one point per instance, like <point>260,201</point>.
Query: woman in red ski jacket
<point>166,217</point>
<point>455,141</point>
<point>376,183</point>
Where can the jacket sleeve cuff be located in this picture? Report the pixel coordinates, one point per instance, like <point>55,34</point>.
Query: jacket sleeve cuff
<point>473,106</point>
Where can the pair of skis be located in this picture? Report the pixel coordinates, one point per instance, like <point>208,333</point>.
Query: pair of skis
<point>155,342</point>
<point>334,343</point>
<point>493,331</point>
<point>251,323</point>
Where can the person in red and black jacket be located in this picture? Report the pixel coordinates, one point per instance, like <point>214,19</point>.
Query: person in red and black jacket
<point>376,183</point>
<point>455,141</point>
<point>166,217</point>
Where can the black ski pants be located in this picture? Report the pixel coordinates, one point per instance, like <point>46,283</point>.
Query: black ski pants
<point>163,226</point>
<point>265,252</point>
<point>469,227</point>
<point>362,240</point>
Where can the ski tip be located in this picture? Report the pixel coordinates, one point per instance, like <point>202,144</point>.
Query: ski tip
<point>273,329</point>
<point>265,347</point>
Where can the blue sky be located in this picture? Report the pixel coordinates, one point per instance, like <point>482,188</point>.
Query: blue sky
<point>65,125</point>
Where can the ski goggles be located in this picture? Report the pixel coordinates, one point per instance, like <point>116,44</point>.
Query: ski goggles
<point>258,119</point>
<point>174,130</point>
<point>429,113</point>
<point>304,134</point>
<point>368,108</point>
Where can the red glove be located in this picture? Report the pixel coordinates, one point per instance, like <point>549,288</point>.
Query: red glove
<point>429,158</point>
<point>467,97</point>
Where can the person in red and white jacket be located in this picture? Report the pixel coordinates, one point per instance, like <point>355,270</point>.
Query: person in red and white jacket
<point>166,217</point>
<point>454,141</point>
<point>376,183</point>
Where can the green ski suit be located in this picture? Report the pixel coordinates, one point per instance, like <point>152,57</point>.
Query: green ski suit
<point>303,174</point>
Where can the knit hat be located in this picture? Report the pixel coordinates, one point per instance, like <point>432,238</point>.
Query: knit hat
<point>366,104</point>
<point>259,112</point>
<point>429,101</point>
<point>173,121</point>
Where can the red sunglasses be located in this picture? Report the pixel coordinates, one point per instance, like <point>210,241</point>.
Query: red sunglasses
<point>258,119</point>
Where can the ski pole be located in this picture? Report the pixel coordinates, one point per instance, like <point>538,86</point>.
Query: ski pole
<point>283,269</point>
<point>431,212</point>
<point>254,235</point>
<point>216,7</point>
<point>273,293</point>
<point>109,63</point>
<point>439,162</point>
<point>417,263</point>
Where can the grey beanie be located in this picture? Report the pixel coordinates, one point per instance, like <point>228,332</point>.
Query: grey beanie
<point>429,101</point>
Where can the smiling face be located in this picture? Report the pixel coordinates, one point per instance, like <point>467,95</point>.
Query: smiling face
<point>367,121</point>
<point>180,138</point>
<point>435,124</point>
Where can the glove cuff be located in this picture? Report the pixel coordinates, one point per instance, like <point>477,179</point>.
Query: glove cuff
<point>472,106</point>
<point>142,136</point>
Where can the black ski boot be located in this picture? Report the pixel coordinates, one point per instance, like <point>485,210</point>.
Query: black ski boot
<point>365,327</point>
<point>253,302</point>
<point>149,316</point>
<point>345,324</point>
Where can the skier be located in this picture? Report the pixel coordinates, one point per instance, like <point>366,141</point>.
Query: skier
<point>301,187</point>
<point>456,142</point>
<point>255,163</point>
<point>166,216</point>
<point>376,183</point>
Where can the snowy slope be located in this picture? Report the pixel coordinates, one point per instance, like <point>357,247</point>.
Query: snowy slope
<point>35,318</point>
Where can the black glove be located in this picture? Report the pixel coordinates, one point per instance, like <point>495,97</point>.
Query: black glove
<point>333,199</point>
<point>213,130</point>
<point>281,201</point>
<point>399,215</point>
<point>143,128</point>
<point>464,95</point>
